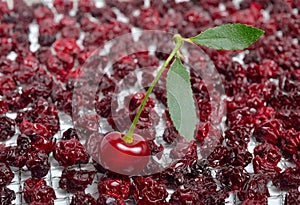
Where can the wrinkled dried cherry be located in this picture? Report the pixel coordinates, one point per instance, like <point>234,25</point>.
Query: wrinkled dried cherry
<point>7,128</point>
<point>36,190</point>
<point>70,152</point>
<point>83,199</point>
<point>75,180</point>
<point>6,175</point>
<point>38,164</point>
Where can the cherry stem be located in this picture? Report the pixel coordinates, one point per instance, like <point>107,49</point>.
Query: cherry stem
<point>128,138</point>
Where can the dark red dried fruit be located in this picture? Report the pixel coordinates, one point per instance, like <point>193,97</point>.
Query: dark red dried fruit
<point>134,101</point>
<point>147,190</point>
<point>262,166</point>
<point>202,131</point>
<point>7,85</point>
<point>44,144</point>
<point>4,9</point>
<point>44,113</point>
<point>292,197</point>
<point>269,131</point>
<point>23,142</point>
<point>70,152</point>
<point>288,179</point>
<point>155,150</point>
<point>34,129</point>
<point>86,5</point>
<point>36,190</point>
<point>70,133</point>
<point>185,197</point>
<point>42,12</point>
<point>7,66</point>
<point>38,164</point>
<point>103,106</point>
<point>121,120</point>
<point>87,26</point>
<point>7,128</point>
<point>83,199</point>
<point>46,39</point>
<point>290,141</point>
<point>170,134</point>
<point>5,46</point>
<point>42,54</point>
<point>76,180</point>
<point>220,156</point>
<point>124,66</point>
<point>238,136</point>
<point>63,6</point>
<point>149,18</point>
<point>268,151</point>
<point>62,99</point>
<point>28,66</point>
<point>107,85</point>
<point>83,55</point>
<point>66,45</point>
<point>6,174</point>
<point>242,157</point>
<point>16,101</point>
<point>115,187</point>
<point>185,151</point>
<point>149,118</point>
<point>40,85</point>
<point>104,13</point>
<point>235,156</point>
<point>177,173</point>
<point>203,184</point>
<point>6,196</point>
<point>201,167</point>
<point>147,62</point>
<point>197,17</point>
<point>255,188</point>
<point>25,12</point>
<point>67,20</point>
<point>108,200</point>
<point>233,178</point>
<point>70,32</point>
<point>13,155</point>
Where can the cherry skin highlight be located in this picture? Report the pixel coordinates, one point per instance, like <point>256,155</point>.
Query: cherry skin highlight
<point>124,158</point>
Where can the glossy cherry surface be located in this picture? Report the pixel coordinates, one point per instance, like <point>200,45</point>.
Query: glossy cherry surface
<point>121,157</point>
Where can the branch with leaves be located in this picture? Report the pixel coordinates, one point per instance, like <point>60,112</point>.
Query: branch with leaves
<point>225,37</point>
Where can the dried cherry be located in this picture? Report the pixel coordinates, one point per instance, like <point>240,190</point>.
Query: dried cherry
<point>147,190</point>
<point>292,197</point>
<point>6,196</point>
<point>7,128</point>
<point>6,175</point>
<point>38,163</point>
<point>73,180</point>
<point>116,187</point>
<point>83,199</point>
<point>36,190</point>
<point>70,152</point>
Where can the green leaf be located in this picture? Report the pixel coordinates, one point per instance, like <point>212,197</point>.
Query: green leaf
<point>228,37</point>
<point>180,100</point>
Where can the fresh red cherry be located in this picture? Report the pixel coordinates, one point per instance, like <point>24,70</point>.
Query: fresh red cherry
<point>121,157</point>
